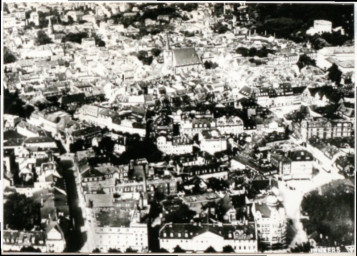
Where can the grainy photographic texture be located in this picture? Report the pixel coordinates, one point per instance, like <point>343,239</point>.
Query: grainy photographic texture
<point>178,127</point>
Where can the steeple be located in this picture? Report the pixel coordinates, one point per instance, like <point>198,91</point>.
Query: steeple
<point>167,42</point>
<point>50,26</point>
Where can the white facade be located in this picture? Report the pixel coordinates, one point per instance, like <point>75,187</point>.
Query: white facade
<point>320,26</point>
<point>91,115</point>
<point>270,220</point>
<point>191,242</point>
<point>134,236</point>
<point>167,147</point>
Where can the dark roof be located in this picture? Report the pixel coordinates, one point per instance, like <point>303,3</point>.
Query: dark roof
<point>191,230</point>
<point>38,140</point>
<point>238,200</point>
<point>300,155</point>
<point>20,237</point>
<point>113,218</point>
<point>298,90</point>
<point>87,131</point>
<point>13,143</point>
<point>258,185</point>
<point>211,167</point>
<point>12,134</point>
<point>263,209</point>
<point>73,98</point>
<point>185,57</point>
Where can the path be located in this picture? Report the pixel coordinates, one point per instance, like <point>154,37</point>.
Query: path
<point>292,199</point>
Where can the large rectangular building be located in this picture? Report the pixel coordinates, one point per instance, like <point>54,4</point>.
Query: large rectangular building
<point>324,128</point>
<point>120,229</point>
<point>197,237</point>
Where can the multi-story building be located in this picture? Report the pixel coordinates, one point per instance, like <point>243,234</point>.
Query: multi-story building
<point>206,171</point>
<point>271,222</point>
<point>320,26</point>
<point>229,125</point>
<point>294,164</point>
<point>47,241</point>
<point>175,146</point>
<point>197,125</point>
<point>120,229</point>
<point>103,117</point>
<point>197,237</point>
<point>284,95</point>
<point>167,185</point>
<point>52,120</point>
<point>212,141</point>
<point>324,128</point>
<point>181,59</point>
<point>196,202</point>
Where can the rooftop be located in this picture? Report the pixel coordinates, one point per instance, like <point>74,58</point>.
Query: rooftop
<point>191,230</point>
<point>185,57</point>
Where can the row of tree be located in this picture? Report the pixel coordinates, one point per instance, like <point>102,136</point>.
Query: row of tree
<point>251,52</point>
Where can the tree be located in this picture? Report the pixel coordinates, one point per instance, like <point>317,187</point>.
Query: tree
<point>21,212</point>
<point>217,184</point>
<point>252,52</point>
<point>228,248</point>
<point>107,145</point>
<point>113,250</point>
<point>178,249</point>
<point>303,247</point>
<point>220,28</point>
<point>210,250</point>
<point>144,58</point>
<point>77,145</point>
<point>15,106</point>
<point>330,214</point>
<point>155,51</point>
<point>98,41</point>
<point>210,65</point>
<point>243,51</point>
<point>304,61</point>
<point>130,250</point>
<point>29,249</point>
<point>43,38</point>
<point>96,250</point>
<point>74,37</point>
<point>182,215</point>
<point>335,74</point>
<point>188,7</point>
<point>70,20</point>
<point>9,57</point>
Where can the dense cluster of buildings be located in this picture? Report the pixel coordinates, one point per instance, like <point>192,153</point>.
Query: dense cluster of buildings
<point>173,132</point>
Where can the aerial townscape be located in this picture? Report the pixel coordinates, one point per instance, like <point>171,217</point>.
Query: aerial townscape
<point>178,127</point>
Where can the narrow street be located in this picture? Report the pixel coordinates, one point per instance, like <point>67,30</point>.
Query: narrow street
<point>77,237</point>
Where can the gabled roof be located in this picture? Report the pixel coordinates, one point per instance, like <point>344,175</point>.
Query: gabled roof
<point>185,57</point>
<point>72,98</point>
<point>191,230</point>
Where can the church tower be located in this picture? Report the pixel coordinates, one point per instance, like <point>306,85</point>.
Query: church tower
<point>168,53</point>
<point>50,26</point>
